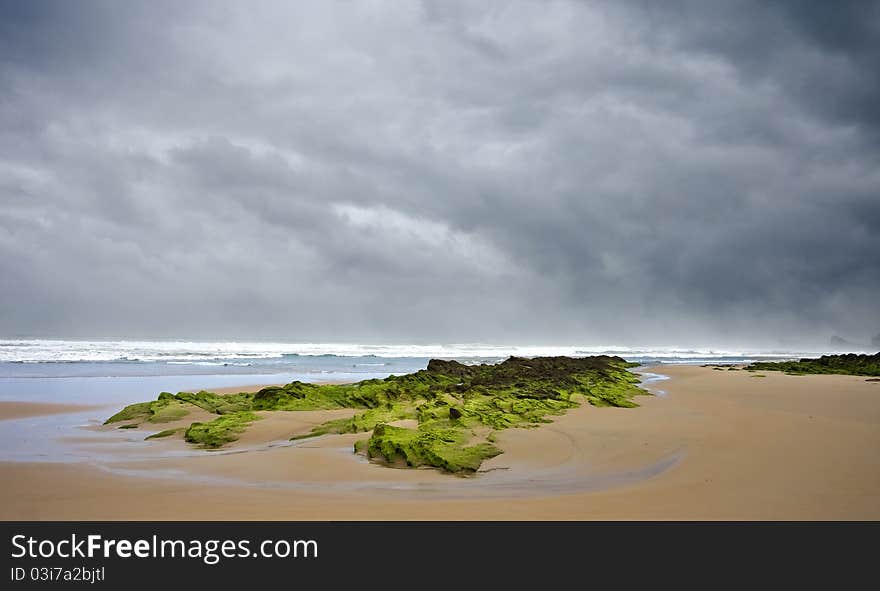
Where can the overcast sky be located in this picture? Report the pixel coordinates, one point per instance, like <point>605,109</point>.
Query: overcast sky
<point>510,172</point>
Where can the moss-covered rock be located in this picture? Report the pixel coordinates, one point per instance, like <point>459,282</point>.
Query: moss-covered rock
<point>168,411</point>
<point>172,407</point>
<point>164,409</point>
<point>360,446</point>
<point>440,448</point>
<point>450,401</point>
<point>222,430</point>
<point>133,412</point>
<point>363,422</point>
<point>216,403</point>
<point>165,433</point>
<point>849,364</point>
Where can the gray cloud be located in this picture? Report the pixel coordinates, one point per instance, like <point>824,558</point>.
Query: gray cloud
<point>592,172</point>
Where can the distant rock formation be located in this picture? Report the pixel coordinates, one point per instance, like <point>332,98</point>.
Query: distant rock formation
<point>849,364</point>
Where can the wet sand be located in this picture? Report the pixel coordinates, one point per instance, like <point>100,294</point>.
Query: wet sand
<point>20,410</point>
<point>718,445</point>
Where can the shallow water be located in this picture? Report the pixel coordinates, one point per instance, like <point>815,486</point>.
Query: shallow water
<point>47,438</point>
<point>565,479</point>
<point>72,438</point>
<point>650,381</point>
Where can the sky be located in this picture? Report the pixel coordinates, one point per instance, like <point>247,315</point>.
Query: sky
<point>684,172</point>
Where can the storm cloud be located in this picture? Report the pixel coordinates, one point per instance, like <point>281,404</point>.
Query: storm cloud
<point>530,172</point>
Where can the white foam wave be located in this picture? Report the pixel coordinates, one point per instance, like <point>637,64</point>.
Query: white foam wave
<point>47,351</point>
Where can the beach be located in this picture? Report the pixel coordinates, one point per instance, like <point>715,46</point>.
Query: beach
<point>712,444</point>
<point>19,410</point>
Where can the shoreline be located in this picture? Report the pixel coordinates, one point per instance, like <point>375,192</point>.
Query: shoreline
<point>735,447</point>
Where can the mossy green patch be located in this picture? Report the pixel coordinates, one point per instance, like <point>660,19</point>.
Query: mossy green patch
<point>215,403</point>
<point>165,433</point>
<point>362,422</point>
<point>164,409</point>
<point>441,448</point>
<point>133,412</point>
<point>168,411</point>
<point>303,396</point>
<point>222,430</point>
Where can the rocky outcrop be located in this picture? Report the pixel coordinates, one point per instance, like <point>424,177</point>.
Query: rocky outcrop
<point>849,364</point>
<point>451,402</point>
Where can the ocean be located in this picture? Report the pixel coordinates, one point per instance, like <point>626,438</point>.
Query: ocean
<point>217,364</point>
<point>122,371</point>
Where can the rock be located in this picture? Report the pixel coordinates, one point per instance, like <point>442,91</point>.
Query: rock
<point>454,413</point>
<point>847,364</point>
<point>448,368</point>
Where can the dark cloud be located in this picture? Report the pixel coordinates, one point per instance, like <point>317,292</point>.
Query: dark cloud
<point>822,56</point>
<point>593,172</point>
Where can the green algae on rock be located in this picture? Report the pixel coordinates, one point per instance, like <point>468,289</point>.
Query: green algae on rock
<point>164,409</point>
<point>165,433</point>
<point>453,402</point>
<point>848,364</point>
<point>222,430</point>
<point>441,448</point>
<point>458,408</point>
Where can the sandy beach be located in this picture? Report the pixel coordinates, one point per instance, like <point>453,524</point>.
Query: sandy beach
<point>716,444</point>
<point>20,410</point>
